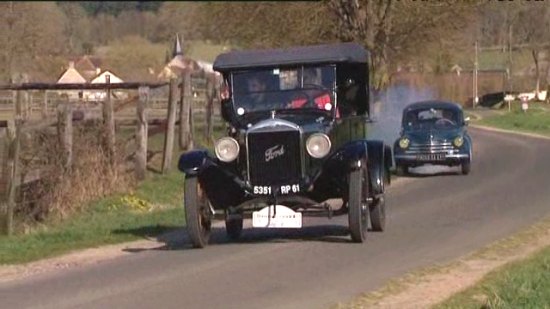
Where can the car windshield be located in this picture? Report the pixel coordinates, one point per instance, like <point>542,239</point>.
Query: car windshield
<point>431,118</point>
<point>284,88</point>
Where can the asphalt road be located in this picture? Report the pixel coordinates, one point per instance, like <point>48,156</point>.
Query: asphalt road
<point>431,219</point>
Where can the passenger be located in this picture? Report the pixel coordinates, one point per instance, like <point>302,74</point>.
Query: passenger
<point>313,90</point>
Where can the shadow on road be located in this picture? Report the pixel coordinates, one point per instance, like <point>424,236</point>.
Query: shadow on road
<point>433,171</point>
<point>171,238</point>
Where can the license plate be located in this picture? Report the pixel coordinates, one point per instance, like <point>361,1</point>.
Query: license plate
<point>283,189</point>
<point>431,157</point>
<point>282,217</point>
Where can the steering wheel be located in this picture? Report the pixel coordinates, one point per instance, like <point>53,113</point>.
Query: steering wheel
<point>316,86</point>
<point>444,122</point>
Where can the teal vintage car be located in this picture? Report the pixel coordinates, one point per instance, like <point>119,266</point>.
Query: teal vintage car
<point>433,132</point>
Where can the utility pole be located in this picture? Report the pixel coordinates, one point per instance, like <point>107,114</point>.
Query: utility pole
<point>510,84</point>
<point>475,96</point>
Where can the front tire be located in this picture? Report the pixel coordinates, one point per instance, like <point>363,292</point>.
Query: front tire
<point>402,170</point>
<point>466,167</point>
<point>197,213</point>
<point>377,212</point>
<point>357,204</point>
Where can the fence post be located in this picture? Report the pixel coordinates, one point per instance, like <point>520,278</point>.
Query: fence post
<point>5,176</point>
<point>65,133</point>
<point>210,95</point>
<point>170,126</point>
<point>109,124</point>
<point>13,137</point>
<point>45,104</point>
<point>186,118</point>
<point>141,133</point>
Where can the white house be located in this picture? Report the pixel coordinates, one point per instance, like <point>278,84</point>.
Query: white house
<point>99,95</point>
<point>71,76</point>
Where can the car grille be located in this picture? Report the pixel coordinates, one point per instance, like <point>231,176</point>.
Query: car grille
<point>268,164</point>
<point>433,147</point>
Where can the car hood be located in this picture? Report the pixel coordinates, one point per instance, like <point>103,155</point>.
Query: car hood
<point>308,121</point>
<point>422,136</point>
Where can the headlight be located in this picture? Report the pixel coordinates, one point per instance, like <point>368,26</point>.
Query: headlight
<point>318,145</point>
<point>227,149</point>
<point>458,141</point>
<point>404,142</point>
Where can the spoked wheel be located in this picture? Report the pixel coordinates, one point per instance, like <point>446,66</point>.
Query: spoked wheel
<point>357,204</point>
<point>233,225</point>
<point>197,213</point>
<point>377,212</point>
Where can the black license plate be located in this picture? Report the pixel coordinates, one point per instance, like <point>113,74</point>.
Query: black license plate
<point>431,157</point>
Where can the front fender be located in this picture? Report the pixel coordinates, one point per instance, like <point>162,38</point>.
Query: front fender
<point>193,161</point>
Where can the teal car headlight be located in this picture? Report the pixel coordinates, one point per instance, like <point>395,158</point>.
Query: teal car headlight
<point>404,142</point>
<point>458,141</point>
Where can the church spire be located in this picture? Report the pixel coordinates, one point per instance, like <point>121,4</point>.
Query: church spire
<point>177,47</point>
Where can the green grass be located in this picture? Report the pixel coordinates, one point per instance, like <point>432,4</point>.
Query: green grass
<point>535,120</point>
<point>154,209</point>
<point>524,284</point>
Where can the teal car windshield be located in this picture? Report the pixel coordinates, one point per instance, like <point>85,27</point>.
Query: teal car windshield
<point>284,88</point>
<point>431,118</point>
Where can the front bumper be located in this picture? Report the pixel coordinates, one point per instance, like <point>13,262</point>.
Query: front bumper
<point>431,158</point>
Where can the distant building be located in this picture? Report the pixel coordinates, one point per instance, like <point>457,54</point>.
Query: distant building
<point>178,64</point>
<point>84,71</point>
<point>71,76</point>
<point>99,95</point>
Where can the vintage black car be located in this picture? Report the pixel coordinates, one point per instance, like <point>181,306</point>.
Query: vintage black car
<point>296,137</point>
<point>433,132</point>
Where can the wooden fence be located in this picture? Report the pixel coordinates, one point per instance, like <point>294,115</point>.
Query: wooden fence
<point>38,107</point>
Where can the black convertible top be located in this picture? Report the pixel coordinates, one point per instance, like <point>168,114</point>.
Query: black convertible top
<point>315,54</point>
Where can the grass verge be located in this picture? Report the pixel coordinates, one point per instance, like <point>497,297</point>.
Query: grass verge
<point>421,286</point>
<point>523,284</point>
<point>153,208</point>
<point>535,120</point>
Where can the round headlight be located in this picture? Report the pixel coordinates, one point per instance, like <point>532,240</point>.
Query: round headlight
<point>318,145</point>
<point>404,142</point>
<point>458,141</point>
<point>227,149</point>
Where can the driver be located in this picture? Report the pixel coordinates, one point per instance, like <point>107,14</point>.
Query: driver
<point>448,117</point>
<point>313,90</point>
<point>256,89</point>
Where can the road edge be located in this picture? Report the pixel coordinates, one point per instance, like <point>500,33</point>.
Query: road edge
<point>429,286</point>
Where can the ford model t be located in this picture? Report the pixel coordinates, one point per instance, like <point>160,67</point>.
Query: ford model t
<point>296,137</point>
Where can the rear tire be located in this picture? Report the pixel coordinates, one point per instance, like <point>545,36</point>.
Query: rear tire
<point>357,204</point>
<point>233,226</point>
<point>197,213</point>
<point>377,212</point>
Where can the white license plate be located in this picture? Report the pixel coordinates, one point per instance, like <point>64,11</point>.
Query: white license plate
<point>283,217</point>
<point>431,157</point>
